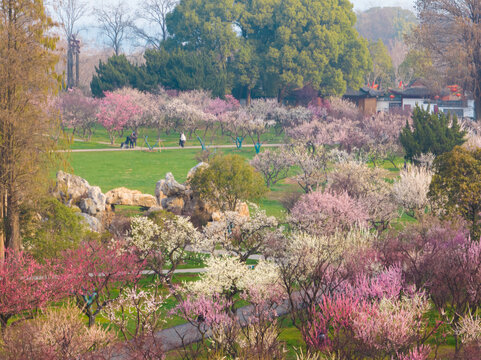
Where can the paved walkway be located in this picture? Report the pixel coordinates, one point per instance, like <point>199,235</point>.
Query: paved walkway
<point>141,148</point>
<point>182,335</point>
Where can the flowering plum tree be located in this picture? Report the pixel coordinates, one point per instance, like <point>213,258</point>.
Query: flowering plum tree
<point>391,324</point>
<point>136,313</point>
<point>441,258</point>
<point>259,119</point>
<point>26,284</point>
<point>115,112</point>
<point>210,305</point>
<point>325,213</point>
<point>240,235</point>
<point>95,272</point>
<point>411,191</point>
<point>58,333</point>
<point>161,241</point>
<point>369,186</point>
<point>309,267</point>
<point>78,112</point>
<point>273,165</point>
<point>312,165</point>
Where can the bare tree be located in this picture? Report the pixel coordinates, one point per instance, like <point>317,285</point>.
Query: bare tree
<point>115,21</point>
<point>450,30</point>
<point>154,12</point>
<point>69,13</point>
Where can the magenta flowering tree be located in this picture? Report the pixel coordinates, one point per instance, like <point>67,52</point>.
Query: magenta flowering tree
<point>78,112</point>
<point>441,258</point>
<point>115,112</point>
<point>26,285</point>
<point>374,319</point>
<point>327,212</point>
<point>97,273</point>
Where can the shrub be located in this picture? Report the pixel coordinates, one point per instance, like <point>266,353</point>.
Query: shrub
<point>456,186</point>
<point>435,133</point>
<point>227,181</point>
<point>51,228</point>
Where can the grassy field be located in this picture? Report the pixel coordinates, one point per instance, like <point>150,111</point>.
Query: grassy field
<point>140,170</point>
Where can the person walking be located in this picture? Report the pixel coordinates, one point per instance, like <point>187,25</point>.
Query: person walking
<point>182,140</point>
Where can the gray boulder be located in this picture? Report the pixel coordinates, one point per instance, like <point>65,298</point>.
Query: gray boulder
<point>70,189</point>
<point>170,187</point>
<point>192,171</point>
<point>94,223</point>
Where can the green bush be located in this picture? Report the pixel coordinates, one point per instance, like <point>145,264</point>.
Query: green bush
<point>456,186</point>
<point>228,180</point>
<point>50,227</point>
<point>430,133</point>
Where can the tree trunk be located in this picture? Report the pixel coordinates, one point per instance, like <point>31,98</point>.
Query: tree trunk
<point>2,228</point>
<point>477,104</point>
<point>12,220</point>
<point>91,320</point>
<point>248,96</point>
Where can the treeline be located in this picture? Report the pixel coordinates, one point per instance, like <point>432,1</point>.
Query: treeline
<point>262,50</point>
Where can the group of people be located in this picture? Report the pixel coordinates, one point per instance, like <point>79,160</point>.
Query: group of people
<point>131,141</point>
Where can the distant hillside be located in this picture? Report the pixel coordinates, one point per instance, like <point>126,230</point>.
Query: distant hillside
<point>386,23</point>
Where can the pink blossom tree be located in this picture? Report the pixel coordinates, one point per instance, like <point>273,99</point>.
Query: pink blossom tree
<point>441,258</point>
<point>391,324</point>
<point>325,213</point>
<point>96,271</point>
<point>78,112</point>
<point>115,112</point>
<point>26,285</point>
<point>273,165</point>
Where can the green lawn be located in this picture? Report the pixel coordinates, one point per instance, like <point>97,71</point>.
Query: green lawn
<point>140,170</point>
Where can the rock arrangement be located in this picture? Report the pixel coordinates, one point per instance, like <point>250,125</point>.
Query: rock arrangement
<point>98,209</point>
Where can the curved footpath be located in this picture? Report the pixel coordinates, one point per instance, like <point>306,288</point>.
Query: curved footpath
<point>141,148</point>
<point>182,335</point>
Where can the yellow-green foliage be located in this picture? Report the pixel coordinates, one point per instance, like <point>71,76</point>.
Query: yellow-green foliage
<point>51,227</point>
<point>228,180</point>
<point>456,186</point>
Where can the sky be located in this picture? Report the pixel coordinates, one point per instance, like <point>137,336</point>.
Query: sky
<point>366,4</point>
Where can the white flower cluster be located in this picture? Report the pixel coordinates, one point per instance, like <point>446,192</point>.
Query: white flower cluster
<point>143,234</point>
<point>171,237</point>
<point>411,191</point>
<point>226,275</point>
<point>236,233</point>
<point>306,251</point>
<point>469,329</point>
<point>135,305</point>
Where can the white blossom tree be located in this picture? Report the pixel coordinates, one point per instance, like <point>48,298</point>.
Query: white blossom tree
<point>242,236</point>
<point>411,191</point>
<point>162,243</point>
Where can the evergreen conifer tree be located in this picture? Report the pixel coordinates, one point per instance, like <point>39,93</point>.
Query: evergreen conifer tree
<point>430,133</point>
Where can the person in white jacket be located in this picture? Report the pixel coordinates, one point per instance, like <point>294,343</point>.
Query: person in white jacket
<point>182,139</point>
